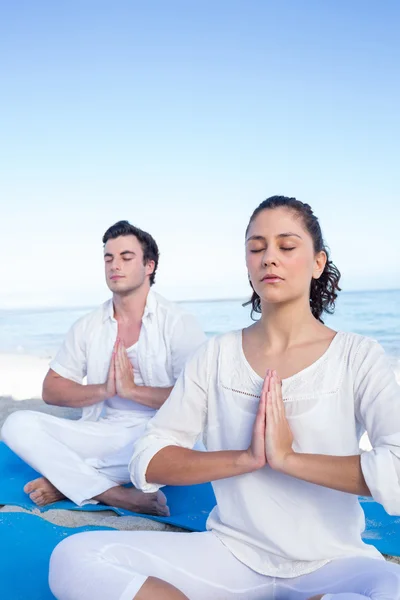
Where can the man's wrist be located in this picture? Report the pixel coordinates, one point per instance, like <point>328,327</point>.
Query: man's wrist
<point>102,392</point>
<point>247,463</point>
<point>131,393</point>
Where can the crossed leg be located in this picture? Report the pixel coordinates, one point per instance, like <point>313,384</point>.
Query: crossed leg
<point>84,461</point>
<point>149,565</point>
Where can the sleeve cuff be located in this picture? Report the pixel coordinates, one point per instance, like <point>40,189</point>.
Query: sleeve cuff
<point>381,478</point>
<point>60,370</point>
<point>140,462</point>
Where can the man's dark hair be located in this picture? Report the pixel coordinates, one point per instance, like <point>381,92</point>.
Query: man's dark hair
<point>148,243</point>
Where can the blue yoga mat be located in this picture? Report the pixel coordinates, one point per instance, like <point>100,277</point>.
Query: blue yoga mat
<point>189,505</point>
<point>26,543</point>
<point>382,530</point>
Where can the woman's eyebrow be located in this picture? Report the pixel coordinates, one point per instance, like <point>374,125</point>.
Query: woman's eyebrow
<point>280,235</point>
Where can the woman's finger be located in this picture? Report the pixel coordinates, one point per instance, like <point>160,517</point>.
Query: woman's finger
<point>278,395</point>
<point>266,384</point>
<point>274,400</point>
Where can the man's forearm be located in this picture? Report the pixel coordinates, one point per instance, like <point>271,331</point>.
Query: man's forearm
<point>69,393</point>
<point>154,397</point>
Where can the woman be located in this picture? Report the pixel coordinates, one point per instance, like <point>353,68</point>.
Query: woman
<point>283,405</point>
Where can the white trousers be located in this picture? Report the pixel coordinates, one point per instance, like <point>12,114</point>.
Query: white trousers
<point>108,565</point>
<point>82,459</point>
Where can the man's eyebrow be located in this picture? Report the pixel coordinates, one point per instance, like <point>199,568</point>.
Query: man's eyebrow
<point>124,252</point>
<point>261,238</point>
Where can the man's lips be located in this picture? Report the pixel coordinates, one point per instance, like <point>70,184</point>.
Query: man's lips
<point>117,277</point>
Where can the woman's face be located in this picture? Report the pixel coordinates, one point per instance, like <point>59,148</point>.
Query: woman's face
<point>280,256</point>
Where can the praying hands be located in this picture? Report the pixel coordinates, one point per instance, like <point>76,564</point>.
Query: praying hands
<point>120,380</point>
<point>272,438</point>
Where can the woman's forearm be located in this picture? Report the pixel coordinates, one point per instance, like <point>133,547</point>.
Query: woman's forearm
<point>174,465</point>
<point>342,473</point>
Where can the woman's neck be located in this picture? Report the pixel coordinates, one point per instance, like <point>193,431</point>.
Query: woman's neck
<point>284,325</point>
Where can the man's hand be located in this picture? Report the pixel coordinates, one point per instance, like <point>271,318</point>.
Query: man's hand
<point>109,389</point>
<point>124,380</point>
<point>278,436</point>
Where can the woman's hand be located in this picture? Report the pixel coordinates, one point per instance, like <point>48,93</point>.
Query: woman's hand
<point>256,451</point>
<point>278,436</point>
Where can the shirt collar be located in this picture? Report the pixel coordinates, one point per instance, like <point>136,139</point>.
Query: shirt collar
<point>149,309</point>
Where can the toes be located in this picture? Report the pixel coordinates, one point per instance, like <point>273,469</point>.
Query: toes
<point>162,511</point>
<point>161,498</point>
<point>30,486</point>
<point>35,497</point>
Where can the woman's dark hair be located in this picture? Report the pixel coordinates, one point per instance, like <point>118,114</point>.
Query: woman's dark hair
<point>323,291</point>
<point>149,246</point>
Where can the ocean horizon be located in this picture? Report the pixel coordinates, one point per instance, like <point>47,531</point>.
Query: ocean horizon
<point>40,330</point>
<point>30,337</point>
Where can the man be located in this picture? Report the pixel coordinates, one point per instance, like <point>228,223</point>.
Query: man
<point>131,350</point>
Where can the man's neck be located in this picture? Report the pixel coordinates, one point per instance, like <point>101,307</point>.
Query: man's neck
<point>130,308</point>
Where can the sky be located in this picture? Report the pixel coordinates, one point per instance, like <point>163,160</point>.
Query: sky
<point>182,117</point>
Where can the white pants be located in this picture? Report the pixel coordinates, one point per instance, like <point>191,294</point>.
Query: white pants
<point>82,459</point>
<point>108,565</point>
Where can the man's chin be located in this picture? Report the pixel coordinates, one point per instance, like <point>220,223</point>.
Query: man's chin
<point>120,290</point>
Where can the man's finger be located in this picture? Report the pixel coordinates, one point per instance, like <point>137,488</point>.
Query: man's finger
<point>268,410</point>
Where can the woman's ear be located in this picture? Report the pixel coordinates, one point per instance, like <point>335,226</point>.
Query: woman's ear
<point>319,264</point>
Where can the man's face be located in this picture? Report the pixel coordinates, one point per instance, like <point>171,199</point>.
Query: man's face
<point>124,268</point>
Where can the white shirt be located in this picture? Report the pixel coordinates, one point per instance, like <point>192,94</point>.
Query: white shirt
<point>276,524</point>
<point>168,337</point>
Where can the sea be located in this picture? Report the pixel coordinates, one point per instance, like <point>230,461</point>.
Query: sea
<point>40,331</point>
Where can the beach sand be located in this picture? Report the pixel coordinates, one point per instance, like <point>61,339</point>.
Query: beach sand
<point>69,518</point>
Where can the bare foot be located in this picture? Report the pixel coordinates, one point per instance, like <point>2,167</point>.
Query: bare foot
<point>135,501</point>
<point>42,492</point>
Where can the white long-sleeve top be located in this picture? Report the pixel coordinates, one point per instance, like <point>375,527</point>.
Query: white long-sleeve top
<point>276,524</point>
<point>168,336</point>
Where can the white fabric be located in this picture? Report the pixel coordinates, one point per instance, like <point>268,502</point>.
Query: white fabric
<point>276,524</point>
<point>114,565</point>
<point>168,336</point>
<point>116,403</point>
<point>85,458</point>
<point>82,459</point>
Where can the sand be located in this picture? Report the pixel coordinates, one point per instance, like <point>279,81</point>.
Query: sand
<point>22,375</point>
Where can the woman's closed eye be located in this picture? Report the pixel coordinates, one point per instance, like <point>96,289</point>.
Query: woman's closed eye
<point>255,250</point>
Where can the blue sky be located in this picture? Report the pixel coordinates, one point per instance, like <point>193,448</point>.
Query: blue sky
<point>183,116</point>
